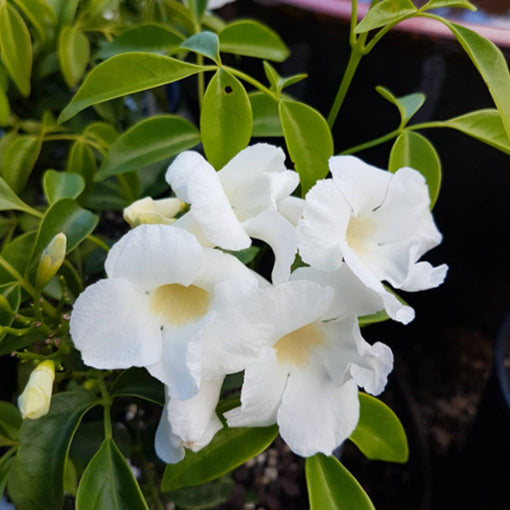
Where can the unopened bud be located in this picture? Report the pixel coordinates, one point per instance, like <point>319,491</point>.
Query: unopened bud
<point>51,259</point>
<point>147,210</point>
<point>35,400</point>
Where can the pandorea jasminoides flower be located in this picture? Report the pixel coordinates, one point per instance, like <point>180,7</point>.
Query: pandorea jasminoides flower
<point>377,222</point>
<point>306,378</point>
<point>239,202</point>
<point>168,303</point>
<point>35,400</point>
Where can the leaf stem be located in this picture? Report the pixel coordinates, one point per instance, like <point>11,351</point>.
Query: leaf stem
<point>252,81</point>
<point>107,404</point>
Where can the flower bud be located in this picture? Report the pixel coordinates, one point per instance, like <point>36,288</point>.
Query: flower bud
<point>51,259</point>
<point>147,210</point>
<point>35,400</point>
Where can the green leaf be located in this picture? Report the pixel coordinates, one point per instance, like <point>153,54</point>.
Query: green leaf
<point>205,43</point>
<point>15,47</point>
<point>19,159</point>
<point>39,13</point>
<point>5,109</point>
<point>10,422</point>
<point>266,119</point>
<point>102,132</point>
<point>43,447</point>
<point>70,478</point>
<point>308,140</point>
<point>151,140</point>
<point>57,185</point>
<point>9,201</point>
<point>253,39</point>
<point>68,217</point>
<point>230,448</point>
<point>491,63</point>
<point>197,8</point>
<point>6,465</point>
<point>414,150</point>
<point>151,38</point>
<point>207,496</point>
<point>332,487</point>
<point>16,254</point>
<point>125,74</point>
<point>407,105</point>
<point>65,10</point>
<point>226,119</point>
<point>73,54</point>
<point>484,125</point>
<point>137,382</point>
<point>82,161</point>
<point>379,434</point>
<point>108,482</point>
<point>384,13</point>
<point>436,4</point>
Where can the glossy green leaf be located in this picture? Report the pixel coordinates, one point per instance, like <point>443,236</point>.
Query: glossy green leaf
<point>205,43</point>
<point>407,105</point>
<point>39,13</point>
<point>332,487</point>
<point>15,47</point>
<point>226,119</point>
<point>108,483</point>
<point>151,38</point>
<point>81,160</point>
<point>137,382</point>
<point>9,201</point>
<point>230,448</point>
<point>5,109</point>
<point>205,497</point>
<point>179,15</point>
<point>102,133</point>
<point>461,4</point>
<point>57,185</point>
<point>491,63</point>
<point>253,39</point>
<point>385,12</point>
<point>484,125</point>
<point>379,434</point>
<point>42,452</point>
<point>266,119</point>
<point>10,421</point>
<point>73,54</point>
<point>308,140</point>
<point>65,10</point>
<point>197,8</point>
<point>277,82</point>
<point>70,478</point>
<point>150,140</point>
<point>6,464</point>
<point>414,150</point>
<point>19,159</point>
<point>16,254</point>
<point>125,74</point>
<point>68,217</point>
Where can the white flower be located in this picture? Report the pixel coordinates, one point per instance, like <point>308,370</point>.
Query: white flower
<point>188,423</point>
<point>306,378</point>
<point>377,222</point>
<point>149,211</point>
<point>35,400</point>
<point>169,304</point>
<point>240,201</point>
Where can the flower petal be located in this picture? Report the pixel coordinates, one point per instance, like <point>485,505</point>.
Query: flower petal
<point>154,255</point>
<point>168,446</point>
<point>194,420</point>
<point>291,208</point>
<point>263,385</point>
<point>423,276</point>
<point>112,326</point>
<point>315,415</point>
<point>323,227</point>
<point>195,181</point>
<point>280,235</point>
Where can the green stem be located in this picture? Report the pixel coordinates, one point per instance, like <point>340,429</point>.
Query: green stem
<point>252,81</point>
<point>372,143</point>
<point>107,404</point>
<point>98,242</point>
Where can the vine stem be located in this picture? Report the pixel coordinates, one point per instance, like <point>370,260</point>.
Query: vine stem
<point>107,404</point>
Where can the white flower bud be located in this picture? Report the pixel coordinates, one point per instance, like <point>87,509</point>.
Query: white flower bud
<point>51,259</point>
<point>35,400</point>
<point>149,211</point>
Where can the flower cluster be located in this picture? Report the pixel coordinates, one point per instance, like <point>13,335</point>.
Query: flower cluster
<point>176,302</point>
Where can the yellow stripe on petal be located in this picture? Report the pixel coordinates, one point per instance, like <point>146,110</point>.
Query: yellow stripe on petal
<point>296,346</point>
<point>178,304</point>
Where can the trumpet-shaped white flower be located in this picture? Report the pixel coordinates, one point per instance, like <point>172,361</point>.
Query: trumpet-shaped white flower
<point>190,423</point>
<point>171,306</point>
<point>306,377</point>
<point>240,202</point>
<point>35,400</point>
<point>377,222</point>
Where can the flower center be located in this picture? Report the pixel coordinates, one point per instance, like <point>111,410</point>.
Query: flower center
<point>358,232</point>
<point>296,346</point>
<point>178,304</point>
